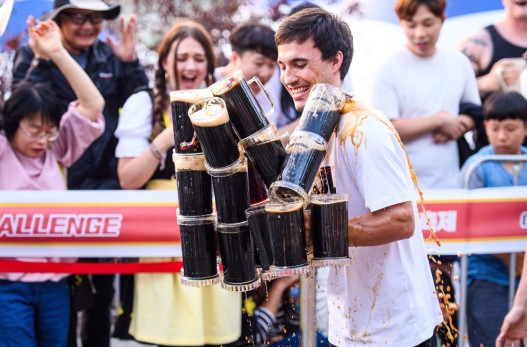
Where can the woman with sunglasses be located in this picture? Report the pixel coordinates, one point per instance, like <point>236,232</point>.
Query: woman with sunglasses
<point>34,140</point>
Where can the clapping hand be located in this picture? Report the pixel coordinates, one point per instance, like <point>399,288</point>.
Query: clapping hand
<point>124,49</point>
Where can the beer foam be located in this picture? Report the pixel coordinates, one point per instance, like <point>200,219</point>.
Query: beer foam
<point>326,199</point>
<point>291,205</point>
<point>190,96</point>
<point>227,83</point>
<point>189,162</point>
<point>210,115</point>
<point>303,143</point>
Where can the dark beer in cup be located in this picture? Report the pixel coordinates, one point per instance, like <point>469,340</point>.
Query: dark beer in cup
<point>185,139</point>
<point>285,220</point>
<point>194,185</point>
<point>266,151</point>
<point>305,154</point>
<point>329,229</point>
<point>237,257</point>
<point>231,191</point>
<point>322,110</point>
<point>257,219</point>
<point>198,245</point>
<point>214,130</point>
<point>257,187</point>
<point>245,112</point>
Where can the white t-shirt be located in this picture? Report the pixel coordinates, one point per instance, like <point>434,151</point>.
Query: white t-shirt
<point>408,86</point>
<point>387,296</point>
<point>135,126</point>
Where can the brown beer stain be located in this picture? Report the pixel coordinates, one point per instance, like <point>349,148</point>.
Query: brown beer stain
<point>354,113</point>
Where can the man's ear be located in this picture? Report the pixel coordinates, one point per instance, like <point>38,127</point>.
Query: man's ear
<point>337,61</point>
<point>236,60</point>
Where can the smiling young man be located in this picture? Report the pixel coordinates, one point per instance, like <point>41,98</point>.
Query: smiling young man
<point>386,297</point>
<point>115,70</point>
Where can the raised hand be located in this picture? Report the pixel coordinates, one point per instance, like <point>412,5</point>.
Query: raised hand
<point>124,49</point>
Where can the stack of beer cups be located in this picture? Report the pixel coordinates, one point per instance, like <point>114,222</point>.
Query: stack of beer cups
<point>197,222</point>
<point>258,138</point>
<point>227,166</point>
<point>306,151</point>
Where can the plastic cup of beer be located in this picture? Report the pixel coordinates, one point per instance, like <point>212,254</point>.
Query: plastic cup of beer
<point>185,138</point>
<point>322,110</point>
<point>214,131</point>
<point>194,185</point>
<point>329,229</point>
<point>305,153</point>
<point>231,191</point>
<point>285,220</point>
<point>245,112</point>
<point>237,257</point>
<point>198,245</point>
<point>266,151</point>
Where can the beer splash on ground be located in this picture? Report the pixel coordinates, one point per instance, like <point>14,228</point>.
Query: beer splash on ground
<point>354,114</point>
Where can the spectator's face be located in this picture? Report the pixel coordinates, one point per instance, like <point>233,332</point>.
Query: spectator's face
<point>187,56</point>
<point>301,67</point>
<point>254,64</point>
<point>80,29</point>
<point>422,31</point>
<point>33,137</point>
<point>506,136</point>
<point>516,8</point>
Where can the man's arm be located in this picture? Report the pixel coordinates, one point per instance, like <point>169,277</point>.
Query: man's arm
<point>390,224</point>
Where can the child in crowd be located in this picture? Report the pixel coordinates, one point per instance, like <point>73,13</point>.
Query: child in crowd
<point>35,139</point>
<point>505,122</point>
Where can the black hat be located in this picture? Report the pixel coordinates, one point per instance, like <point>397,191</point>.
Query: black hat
<point>110,11</point>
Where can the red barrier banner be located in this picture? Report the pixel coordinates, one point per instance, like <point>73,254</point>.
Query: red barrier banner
<point>143,223</point>
<point>89,224</point>
<point>489,220</point>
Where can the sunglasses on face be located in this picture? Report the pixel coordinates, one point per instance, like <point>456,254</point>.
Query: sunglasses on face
<point>81,18</point>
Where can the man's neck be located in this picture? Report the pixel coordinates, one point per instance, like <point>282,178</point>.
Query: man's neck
<point>514,30</point>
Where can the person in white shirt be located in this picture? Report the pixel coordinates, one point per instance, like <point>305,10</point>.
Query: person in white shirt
<point>386,297</point>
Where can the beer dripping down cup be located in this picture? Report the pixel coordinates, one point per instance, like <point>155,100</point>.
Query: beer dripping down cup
<point>305,153</point>
<point>198,245</point>
<point>214,131</point>
<point>285,221</point>
<point>322,110</point>
<point>231,191</point>
<point>309,142</point>
<point>261,234</point>
<point>267,153</point>
<point>237,257</point>
<point>194,184</point>
<point>329,230</point>
<point>246,114</point>
<point>185,138</point>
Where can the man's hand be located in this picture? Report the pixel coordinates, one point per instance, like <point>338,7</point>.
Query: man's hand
<point>124,49</point>
<point>514,328</point>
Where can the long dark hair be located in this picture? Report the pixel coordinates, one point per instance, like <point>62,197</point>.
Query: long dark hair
<point>29,101</point>
<point>180,30</point>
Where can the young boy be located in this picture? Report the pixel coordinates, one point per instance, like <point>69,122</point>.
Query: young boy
<point>505,115</point>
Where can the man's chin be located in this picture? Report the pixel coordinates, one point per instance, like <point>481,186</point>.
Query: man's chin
<point>299,105</point>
